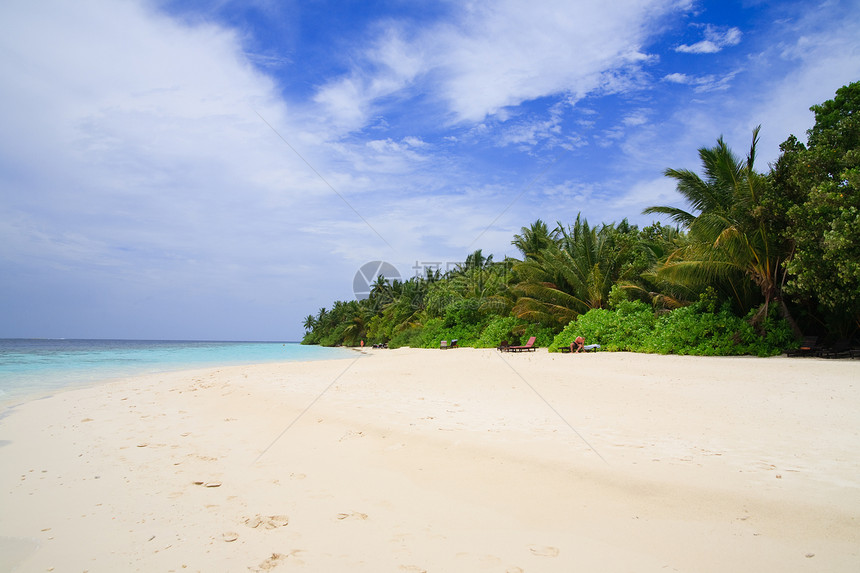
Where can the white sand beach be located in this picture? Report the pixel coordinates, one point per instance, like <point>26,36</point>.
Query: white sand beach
<point>426,460</point>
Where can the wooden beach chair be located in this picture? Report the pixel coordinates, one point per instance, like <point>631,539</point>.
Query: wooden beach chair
<point>809,347</point>
<point>839,349</point>
<point>528,346</point>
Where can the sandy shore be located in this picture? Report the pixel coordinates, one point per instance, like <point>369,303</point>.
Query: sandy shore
<point>462,460</point>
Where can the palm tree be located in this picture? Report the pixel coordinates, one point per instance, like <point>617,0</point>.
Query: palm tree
<point>570,276</point>
<point>406,309</point>
<point>476,260</point>
<point>534,238</point>
<point>356,328</point>
<point>309,322</point>
<point>655,243</point>
<point>382,293</point>
<point>731,243</point>
<point>322,316</point>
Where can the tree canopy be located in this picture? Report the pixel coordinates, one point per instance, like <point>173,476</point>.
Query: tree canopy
<point>777,251</point>
<point>821,181</point>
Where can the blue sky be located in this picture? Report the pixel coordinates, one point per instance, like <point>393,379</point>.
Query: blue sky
<point>219,170</point>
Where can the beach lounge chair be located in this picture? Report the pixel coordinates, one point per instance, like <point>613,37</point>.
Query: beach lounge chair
<point>839,349</point>
<point>528,346</point>
<point>808,347</point>
<point>443,345</point>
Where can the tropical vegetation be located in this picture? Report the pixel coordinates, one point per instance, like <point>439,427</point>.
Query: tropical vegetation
<point>754,260</point>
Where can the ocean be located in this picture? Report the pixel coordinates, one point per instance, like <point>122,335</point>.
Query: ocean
<point>36,367</point>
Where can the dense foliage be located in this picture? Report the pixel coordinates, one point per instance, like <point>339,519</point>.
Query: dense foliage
<point>821,183</point>
<point>701,328</point>
<point>754,260</point>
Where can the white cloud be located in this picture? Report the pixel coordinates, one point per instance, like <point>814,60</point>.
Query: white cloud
<point>635,119</point>
<point>701,84</point>
<point>647,193</point>
<point>811,60</point>
<point>500,54</point>
<point>528,132</point>
<point>388,66</point>
<point>388,156</point>
<point>677,78</point>
<point>716,39</point>
<point>413,141</point>
<point>506,53</point>
<point>132,160</point>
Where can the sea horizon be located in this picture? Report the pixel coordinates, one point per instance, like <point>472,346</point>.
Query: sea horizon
<point>34,367</point>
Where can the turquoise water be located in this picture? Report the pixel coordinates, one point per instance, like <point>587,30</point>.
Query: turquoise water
<point>30,368</point>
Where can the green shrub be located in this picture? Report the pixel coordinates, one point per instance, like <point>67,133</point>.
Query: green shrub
<point>543,335</point>
<point>698,329</point>
<point>463,312</point>
<point>778,335</point>
<point>694,330</point>
<point>500,328</point>
<point>433,332</point>
<point>407,337</point>
<point>621,329</point>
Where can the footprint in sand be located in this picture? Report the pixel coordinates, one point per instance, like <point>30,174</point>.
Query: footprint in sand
<point>354,514</point>
<point>267,521</point>
<point>272,561</point>
<point>544,550</point>
<point>276,559</point>
<point>207,483</point>
<point>351,434</point>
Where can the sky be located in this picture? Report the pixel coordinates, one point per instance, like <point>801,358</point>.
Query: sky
<point>220,170</point>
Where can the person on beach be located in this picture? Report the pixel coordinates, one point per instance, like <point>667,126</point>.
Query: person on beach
<point>579,345</point>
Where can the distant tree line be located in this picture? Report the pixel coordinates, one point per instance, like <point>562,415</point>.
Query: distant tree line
<point>754,261</point>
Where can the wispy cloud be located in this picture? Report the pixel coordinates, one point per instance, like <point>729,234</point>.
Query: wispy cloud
<point>716,39</point>
<point>811,57</point>
<point>500,54</point>
<point>700,84</point>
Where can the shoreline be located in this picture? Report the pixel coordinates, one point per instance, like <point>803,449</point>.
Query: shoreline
<point>415,459</point>
<point>62,374</point>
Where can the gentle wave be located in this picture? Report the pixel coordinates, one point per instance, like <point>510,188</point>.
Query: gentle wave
<point>31,367</point>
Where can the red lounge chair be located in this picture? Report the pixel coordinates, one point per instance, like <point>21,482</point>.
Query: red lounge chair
<point>529,346</point>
